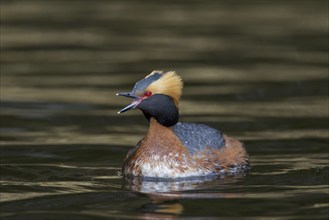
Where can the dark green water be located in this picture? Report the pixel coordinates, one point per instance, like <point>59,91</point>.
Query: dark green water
<point>256,70</point>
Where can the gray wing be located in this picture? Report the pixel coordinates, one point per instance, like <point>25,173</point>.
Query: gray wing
<point>196,137</point>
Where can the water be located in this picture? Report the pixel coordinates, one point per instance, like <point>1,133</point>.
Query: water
<point>257,71</point>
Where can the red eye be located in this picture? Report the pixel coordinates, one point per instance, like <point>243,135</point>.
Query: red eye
<point>147,93</point>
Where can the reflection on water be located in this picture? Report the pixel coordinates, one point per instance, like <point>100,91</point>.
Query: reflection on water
<point>162,186</point>
<point>256,70</point>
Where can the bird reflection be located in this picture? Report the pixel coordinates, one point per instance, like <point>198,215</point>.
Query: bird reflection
<point>165,194</point>
<point>165,208</point>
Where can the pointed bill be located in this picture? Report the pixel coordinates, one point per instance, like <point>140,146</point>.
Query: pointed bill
<point>126,94</point>
<point>127,108</point>
<point>133,105</point>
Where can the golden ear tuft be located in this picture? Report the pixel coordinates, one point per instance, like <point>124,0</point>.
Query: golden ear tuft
<point>169,84</point>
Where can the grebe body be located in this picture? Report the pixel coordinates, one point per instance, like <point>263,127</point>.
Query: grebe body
<point>172,149</point>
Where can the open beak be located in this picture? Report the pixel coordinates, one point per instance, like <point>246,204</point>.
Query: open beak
<point>133,105</point>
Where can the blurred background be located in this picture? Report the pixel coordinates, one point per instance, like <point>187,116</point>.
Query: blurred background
<point>256,70</point>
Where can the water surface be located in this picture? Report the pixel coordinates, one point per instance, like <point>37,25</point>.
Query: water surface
<point>257,71</point>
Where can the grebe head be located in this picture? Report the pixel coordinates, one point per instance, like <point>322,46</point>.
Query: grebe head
<point>157,95</point>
